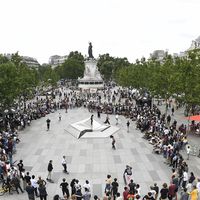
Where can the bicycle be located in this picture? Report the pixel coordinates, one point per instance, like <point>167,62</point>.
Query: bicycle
<point>4,189</point>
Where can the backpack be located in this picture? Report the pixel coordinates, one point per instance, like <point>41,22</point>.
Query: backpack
<point>130,197</point>
<point>129,171</point>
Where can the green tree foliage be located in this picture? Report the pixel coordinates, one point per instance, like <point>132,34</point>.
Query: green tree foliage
<point>16,80</point>
<point>72,68</point>
<point>179,77</point>
<point>47,75</point>
<point>109,66</point>
<point>8,84</point>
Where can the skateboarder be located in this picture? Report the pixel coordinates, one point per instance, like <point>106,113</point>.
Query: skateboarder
<point>91,119</point>
<point>113,142</point>
<point>64,164</point>
<point>127,174</point>
<point>48,124</point>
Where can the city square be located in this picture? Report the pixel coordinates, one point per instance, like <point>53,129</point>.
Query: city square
<point>107,108</point>
<point>89,158</point>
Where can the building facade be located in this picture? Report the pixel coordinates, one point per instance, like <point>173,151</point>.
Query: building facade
<point>30,61</point>
<point>56,60</point>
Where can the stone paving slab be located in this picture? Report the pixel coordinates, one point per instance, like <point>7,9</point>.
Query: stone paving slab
<point>90,159</point>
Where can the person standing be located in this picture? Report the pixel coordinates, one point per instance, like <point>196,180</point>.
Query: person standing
<point>30,190</point>
<point>184,195</point>
<point>42,192</point>
<point>91,120</point>
<point>59,117</point>
<point>20,166</point>
<point>86,195</point>
<point>125,193</point>
<point>172,110</point>
<point>27,178</point>
<point>41,181</point>
<point>64,187</point>
<point>48,124</point>
<point>16,182</point>
<point>185,179</point>
<point>113,142</point>
<point>164,192</point>
<point>128,124</point>
<point>87,185</point>
<point>188,151</point>
<point>108,184</point>
<point>98,112</point>
<point>117,118</point>
<point>194,193</point>
<point>127,174</point>
<point>156,188</point>
<point>64,164</point>
<point>114,189</point>
<point>107,120</point>
<point>49,168</point>
<point>35,185</point>
<point>172,191</point>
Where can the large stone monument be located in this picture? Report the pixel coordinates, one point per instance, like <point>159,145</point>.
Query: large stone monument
<point>92,78</point>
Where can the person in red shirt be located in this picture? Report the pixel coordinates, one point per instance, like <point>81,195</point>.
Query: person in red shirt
<point>172,191</point>
<point>125,193</point>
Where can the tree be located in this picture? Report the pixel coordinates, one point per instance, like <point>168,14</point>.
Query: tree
<point>47,75</point>
<point>109,66</point>
<point>72,69</point>
<point>8,84</point>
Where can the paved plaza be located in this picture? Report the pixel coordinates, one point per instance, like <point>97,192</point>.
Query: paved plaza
<point>90,159</point>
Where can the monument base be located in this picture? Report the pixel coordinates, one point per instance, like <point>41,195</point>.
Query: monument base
<point>92,78</point>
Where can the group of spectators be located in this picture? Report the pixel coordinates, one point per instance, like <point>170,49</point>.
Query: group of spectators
<point>166,137</point>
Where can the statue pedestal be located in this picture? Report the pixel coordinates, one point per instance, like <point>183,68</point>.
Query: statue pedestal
<point>92,78</point>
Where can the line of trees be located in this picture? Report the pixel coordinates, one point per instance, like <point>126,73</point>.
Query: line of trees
<point>19,81</point>
<point>179,76</point>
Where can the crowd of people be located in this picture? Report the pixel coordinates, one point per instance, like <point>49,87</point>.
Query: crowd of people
<point>167,138</point>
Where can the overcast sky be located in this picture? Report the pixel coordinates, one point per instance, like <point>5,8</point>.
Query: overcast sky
<point>122,28</point>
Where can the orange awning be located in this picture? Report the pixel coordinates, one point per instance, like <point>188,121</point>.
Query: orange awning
<point>194,117</point>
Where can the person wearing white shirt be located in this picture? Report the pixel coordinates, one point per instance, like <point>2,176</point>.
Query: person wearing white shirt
<point>185,179</point>
<point>119,197</point>
<point>153,192</point>
<point>87,185</point>
<point>64,164</point>
<point>188,151</point>
<point>117,118</point>
<point>198,184</point>
<point>35,185</point>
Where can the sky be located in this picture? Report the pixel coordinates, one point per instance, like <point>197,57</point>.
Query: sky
<point>122,28</point>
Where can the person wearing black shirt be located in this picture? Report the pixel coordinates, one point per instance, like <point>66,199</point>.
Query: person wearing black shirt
<point>132,186</point>
<point>64,187</point>
<point>16,182</point>
<point>48,123</point>
<point>30,190</point>
<point>156,188</point>
<point>128,124</point>
<point>72,185</point>
<point>164,192</point>
<point>148,196</point>
<point>42,191</point>
<point>20,166</point>
<point>49,168</point>
<point>114,190</point>
<point>27,177</point>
